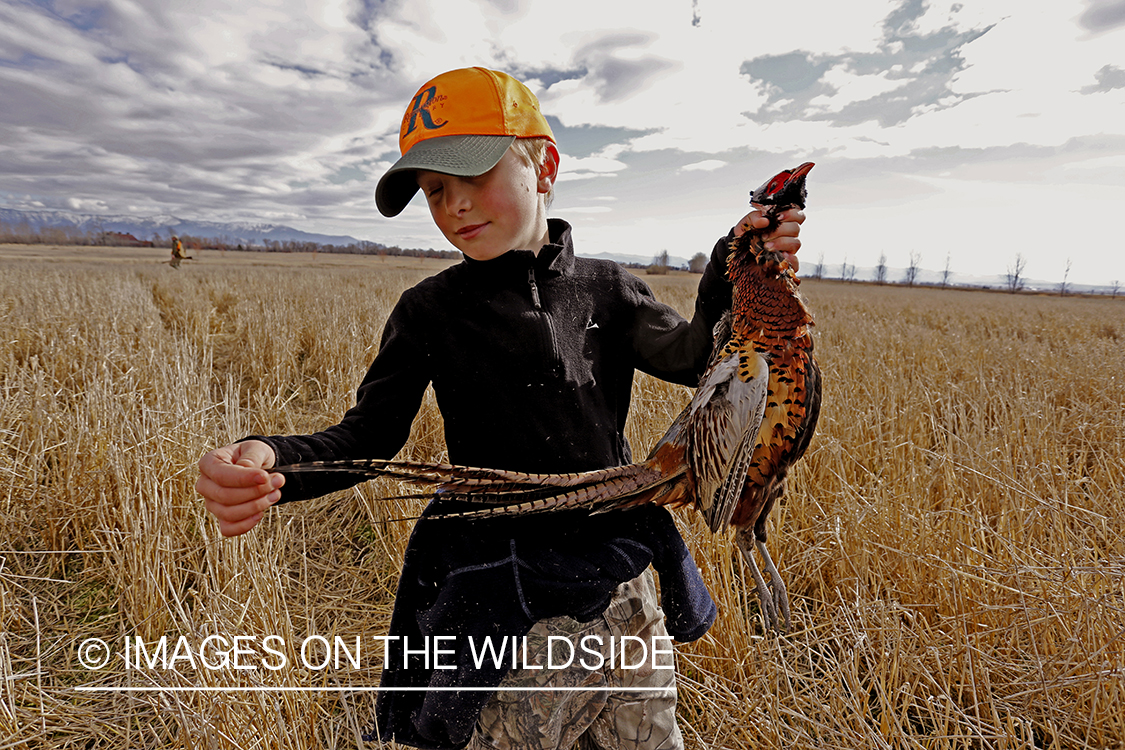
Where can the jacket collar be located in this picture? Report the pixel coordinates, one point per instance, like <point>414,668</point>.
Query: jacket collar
<point>556,258</point>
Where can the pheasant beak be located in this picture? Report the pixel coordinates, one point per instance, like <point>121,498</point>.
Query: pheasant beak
<point>801,172</point>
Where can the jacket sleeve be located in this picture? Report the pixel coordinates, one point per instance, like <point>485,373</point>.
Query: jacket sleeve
<point>671,348</point>
<point>378,425</point>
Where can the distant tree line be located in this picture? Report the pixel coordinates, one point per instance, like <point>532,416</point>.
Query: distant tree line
<point>25,234</point>
<point>662,264</point>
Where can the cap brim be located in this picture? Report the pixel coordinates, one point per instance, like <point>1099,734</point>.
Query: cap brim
<point>459,155</point>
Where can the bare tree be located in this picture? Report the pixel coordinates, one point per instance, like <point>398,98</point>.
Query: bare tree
<point>1014,277</point>
<point>912,268</point>
<point>945,273</point>
<point>847,272</point>
<point>1114,287</point>
<point>818,270</point>
<point>659,263</point>
<point>1066,275</point>
<point>881,269</point>
<point>697,263</point>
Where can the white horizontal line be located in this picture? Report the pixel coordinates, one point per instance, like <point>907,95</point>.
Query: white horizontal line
<point>49,551</point>
<point>363,689</point>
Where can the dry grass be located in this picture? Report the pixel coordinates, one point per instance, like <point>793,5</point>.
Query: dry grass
<point>951,542</point>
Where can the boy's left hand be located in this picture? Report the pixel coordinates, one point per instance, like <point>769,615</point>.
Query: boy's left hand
<point>784,239</point>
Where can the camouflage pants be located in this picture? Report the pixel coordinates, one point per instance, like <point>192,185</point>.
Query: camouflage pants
<point>595,718</point>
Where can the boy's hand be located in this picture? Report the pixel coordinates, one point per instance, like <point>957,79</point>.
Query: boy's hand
<point>238,489</point>
<point>783,239</point>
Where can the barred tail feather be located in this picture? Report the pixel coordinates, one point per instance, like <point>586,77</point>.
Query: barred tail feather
<point>641,485</point>
<point>480,485</point>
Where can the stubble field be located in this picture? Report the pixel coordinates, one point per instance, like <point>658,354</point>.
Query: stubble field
<point>952,541</point>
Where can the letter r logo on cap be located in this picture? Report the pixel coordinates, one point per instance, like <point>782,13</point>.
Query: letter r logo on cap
<point>420,108</point>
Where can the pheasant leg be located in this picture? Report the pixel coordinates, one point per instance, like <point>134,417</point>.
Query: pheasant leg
<point>767,602</point>
<point>780,593</point>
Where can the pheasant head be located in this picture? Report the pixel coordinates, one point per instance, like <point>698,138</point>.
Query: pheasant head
<point>765,287</point>
<point>784,190</point>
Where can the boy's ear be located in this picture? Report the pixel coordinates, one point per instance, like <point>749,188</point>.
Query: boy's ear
<point>549,169</point>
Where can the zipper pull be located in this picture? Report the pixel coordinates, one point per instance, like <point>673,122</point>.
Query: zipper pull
<point>534,289</point>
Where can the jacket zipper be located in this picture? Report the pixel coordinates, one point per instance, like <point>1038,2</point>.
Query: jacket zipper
<point>534,289</point>
<point>552,346</point>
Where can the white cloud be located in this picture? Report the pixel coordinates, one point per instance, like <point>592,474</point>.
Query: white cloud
<point>707,165</point>
<point>79,204</point>
<point>597,163</point>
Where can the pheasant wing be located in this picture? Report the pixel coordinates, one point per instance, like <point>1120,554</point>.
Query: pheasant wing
<point>723,422</point>
<point>811,410</point>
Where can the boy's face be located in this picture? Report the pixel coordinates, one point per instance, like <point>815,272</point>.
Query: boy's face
<point>488,215</point>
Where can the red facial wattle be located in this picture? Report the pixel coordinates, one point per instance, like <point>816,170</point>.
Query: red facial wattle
<point>786,188</point>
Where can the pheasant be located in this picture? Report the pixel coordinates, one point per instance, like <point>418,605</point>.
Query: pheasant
<point>727,453</point>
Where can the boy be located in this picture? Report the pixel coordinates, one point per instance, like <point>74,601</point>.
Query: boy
<point>531,353</point>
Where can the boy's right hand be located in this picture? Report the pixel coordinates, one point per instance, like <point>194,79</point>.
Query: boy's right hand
<point>236,486</point>
<point>785,239</point>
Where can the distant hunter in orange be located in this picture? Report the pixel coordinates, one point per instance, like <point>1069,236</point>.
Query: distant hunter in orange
<point>178,253</point>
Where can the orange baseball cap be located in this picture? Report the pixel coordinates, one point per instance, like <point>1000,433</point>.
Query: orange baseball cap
<point>459,123</point>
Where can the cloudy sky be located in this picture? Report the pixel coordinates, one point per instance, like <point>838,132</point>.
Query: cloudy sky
<point>971,130</point>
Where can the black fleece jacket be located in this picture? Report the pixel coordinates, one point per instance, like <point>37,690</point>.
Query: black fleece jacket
<point>532,360</point>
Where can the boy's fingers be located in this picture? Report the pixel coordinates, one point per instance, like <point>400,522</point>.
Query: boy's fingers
<point>790,225</point>
<point>240,527</point>
<point>232,476</point>
<point>238,466</point>
<point>236,486</point>
<point>231,484</point>
<point>236,513</point>
<point>795,215</point>
<point>232,496</point>
<point>783,244</point>
<point>254,454</point>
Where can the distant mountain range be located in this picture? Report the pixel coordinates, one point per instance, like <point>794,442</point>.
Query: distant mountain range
<point>674,261</point>
<point>143,228</point>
